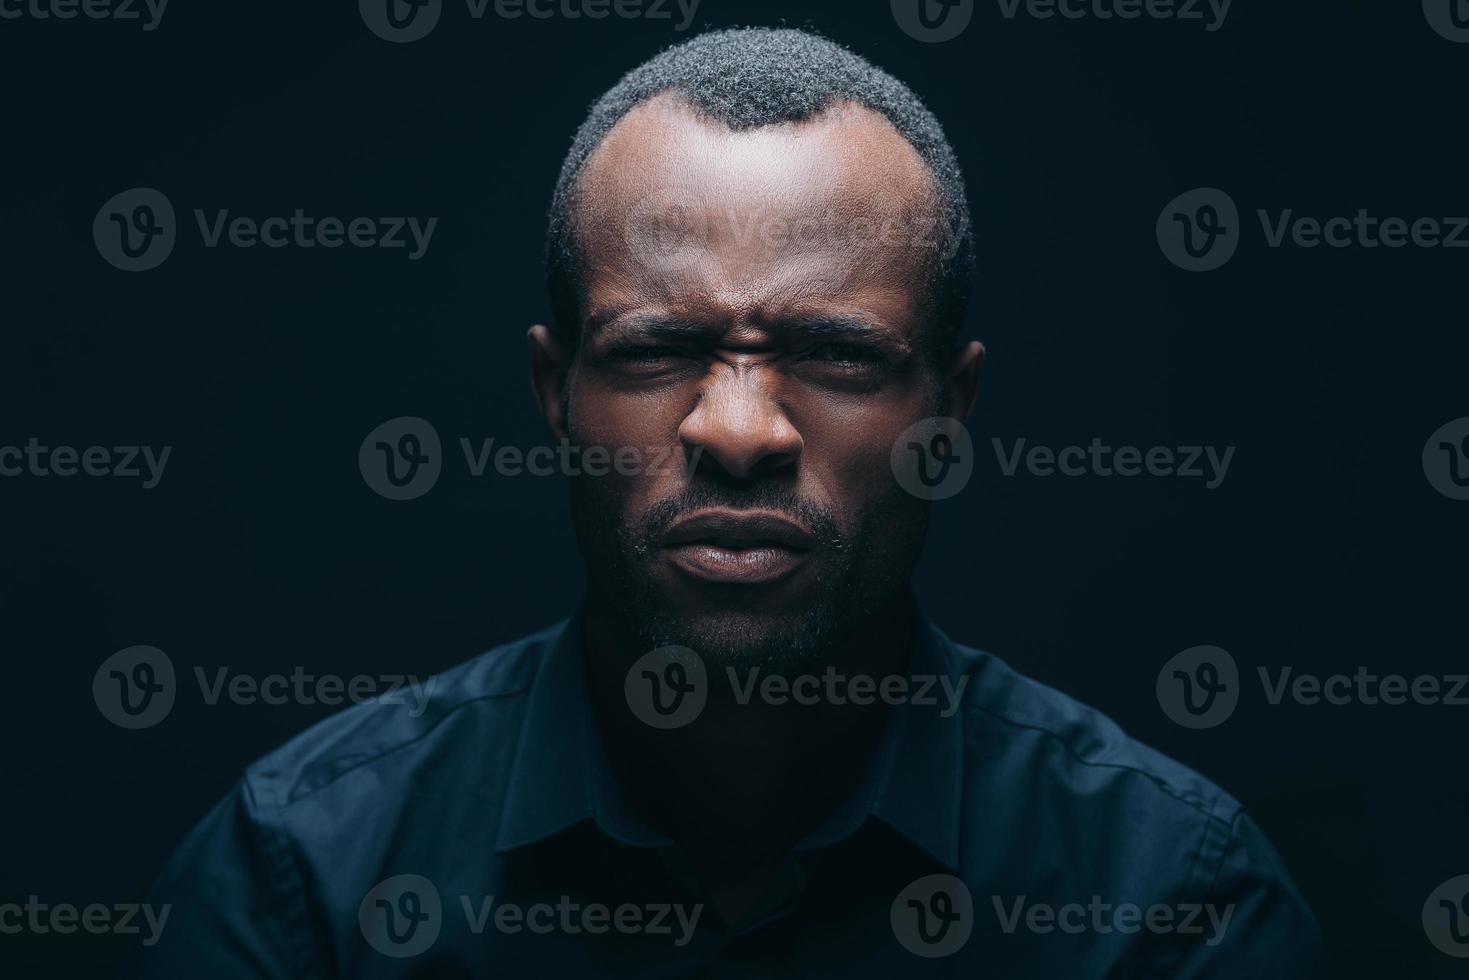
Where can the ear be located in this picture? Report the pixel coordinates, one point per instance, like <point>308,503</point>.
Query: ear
<point>961,376</point>
<point>548,369</point>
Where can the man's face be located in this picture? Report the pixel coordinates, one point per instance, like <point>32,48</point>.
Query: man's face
<point>752,305</point>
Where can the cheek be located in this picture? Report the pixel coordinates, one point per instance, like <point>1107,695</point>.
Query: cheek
<point>643,426</point>
<point>849,441</point>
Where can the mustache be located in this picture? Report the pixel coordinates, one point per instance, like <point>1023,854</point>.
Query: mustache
<point>772,497</point>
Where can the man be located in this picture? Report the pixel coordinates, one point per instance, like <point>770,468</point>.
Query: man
<point>747,754</point>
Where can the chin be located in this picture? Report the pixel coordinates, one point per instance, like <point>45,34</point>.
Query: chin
<point>741,638</point>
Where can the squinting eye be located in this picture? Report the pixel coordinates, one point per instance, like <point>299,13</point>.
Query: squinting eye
<point>846,354</point>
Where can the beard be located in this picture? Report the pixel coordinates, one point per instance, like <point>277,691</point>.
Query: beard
<point>861,568</point>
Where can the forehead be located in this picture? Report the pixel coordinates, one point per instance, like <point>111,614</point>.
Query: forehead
<point>677,211</point>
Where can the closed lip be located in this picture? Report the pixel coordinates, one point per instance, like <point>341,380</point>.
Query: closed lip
<point>739,530</point>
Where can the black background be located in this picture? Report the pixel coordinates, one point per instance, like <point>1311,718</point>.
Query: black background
<point>263,549</point>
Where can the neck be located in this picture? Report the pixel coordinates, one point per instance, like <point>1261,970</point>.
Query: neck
<point>742,783</point>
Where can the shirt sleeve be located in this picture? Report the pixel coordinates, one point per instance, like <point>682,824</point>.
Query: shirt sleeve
<point>1270,932</point>
<point>229,885</point>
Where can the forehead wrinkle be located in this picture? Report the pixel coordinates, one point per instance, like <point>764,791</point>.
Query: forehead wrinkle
<point>715,297</point>
<point>659,145</point>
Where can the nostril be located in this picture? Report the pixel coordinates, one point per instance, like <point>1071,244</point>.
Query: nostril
<point>740,428</point>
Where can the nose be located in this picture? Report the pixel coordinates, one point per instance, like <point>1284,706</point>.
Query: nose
<point>739,426</point>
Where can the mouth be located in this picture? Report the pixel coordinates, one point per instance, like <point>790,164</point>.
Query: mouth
<point>737,547</point>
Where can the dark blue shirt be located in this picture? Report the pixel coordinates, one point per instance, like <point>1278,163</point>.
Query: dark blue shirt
<point>1016,834</point>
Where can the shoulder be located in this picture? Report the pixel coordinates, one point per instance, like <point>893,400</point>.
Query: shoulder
<point>1059,799</point>
<point>322,817</point>
<point>391,736</point>
<point>1080,800</point>
<point>1070,745</point>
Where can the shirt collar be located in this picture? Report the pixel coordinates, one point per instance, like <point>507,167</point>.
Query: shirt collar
<point>561,775</point>
<point>923,783</point>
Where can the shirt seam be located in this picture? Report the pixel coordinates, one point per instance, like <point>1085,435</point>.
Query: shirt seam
<point>285,880</point>
<point>292,798</point>
<point>1174,952</point>
<point>1200,806</point>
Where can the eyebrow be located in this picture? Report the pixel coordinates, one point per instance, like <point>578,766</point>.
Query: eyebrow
<point>841,325</point>
<point>655,326</point>
<point>661,326</point>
